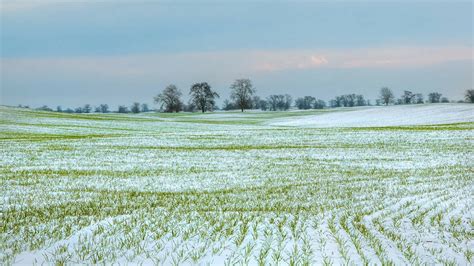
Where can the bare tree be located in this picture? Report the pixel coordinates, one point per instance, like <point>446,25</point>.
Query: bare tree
<point>360,100</point>
<point>408,97</point>
<point>170,98</point>
<point>272,101</point>
<point>263,105</point>
<point>87,108</point>
<point>145,107</point>
<point>469,96</point>
<point>228,105</point>
<point>306,102</point>
<point>351,100</point>
<point>135,108</point>
<point>122,109</point>
<point>202,96</point>
<point>287,102</point>
<point>257,102</point>
<point>319,104</point>
<point>104,108</point>
<point>419,98</point>
<point>348,100</point>
<point>434,97</point>
<point>386,95</point>
<point>242,91</point>
<point>279,102</point>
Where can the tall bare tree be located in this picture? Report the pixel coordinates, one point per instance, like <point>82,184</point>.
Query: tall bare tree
<point>386,95</point>
<point>242,91</point>
<point>202,96</point>
<point>170,99</point>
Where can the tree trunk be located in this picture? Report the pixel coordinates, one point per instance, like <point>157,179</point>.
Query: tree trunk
<point>242,110</point>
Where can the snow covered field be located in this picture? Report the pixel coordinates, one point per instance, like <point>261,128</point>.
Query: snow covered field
<point>401,115</point>
<point>310,187</point>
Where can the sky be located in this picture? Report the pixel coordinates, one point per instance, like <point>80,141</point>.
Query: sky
<point>70,53</point>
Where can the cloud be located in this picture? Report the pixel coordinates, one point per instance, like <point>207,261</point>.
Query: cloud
<point>323,73</point>
<point>392,57</point>
<point>276,61</point>
<point>225,65</point>
<point>403,57</point>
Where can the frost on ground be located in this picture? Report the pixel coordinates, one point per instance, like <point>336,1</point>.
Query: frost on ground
<point>232,188</point>
<point>401,115</point>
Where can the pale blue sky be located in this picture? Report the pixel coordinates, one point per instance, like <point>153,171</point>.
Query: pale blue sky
<point>70,53</point>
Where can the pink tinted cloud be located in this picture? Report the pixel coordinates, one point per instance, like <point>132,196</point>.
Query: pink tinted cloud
<point>404,56</point>
<point>276,61</point>
<point>225,65</point>
<point>361,58</point>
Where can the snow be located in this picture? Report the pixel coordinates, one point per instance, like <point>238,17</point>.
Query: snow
<point>151,192</point>
<point>379,116</point>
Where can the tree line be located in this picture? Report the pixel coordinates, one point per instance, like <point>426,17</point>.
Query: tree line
<point>102,108</point>
<point>243,96</point>
<point>408,97</point>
